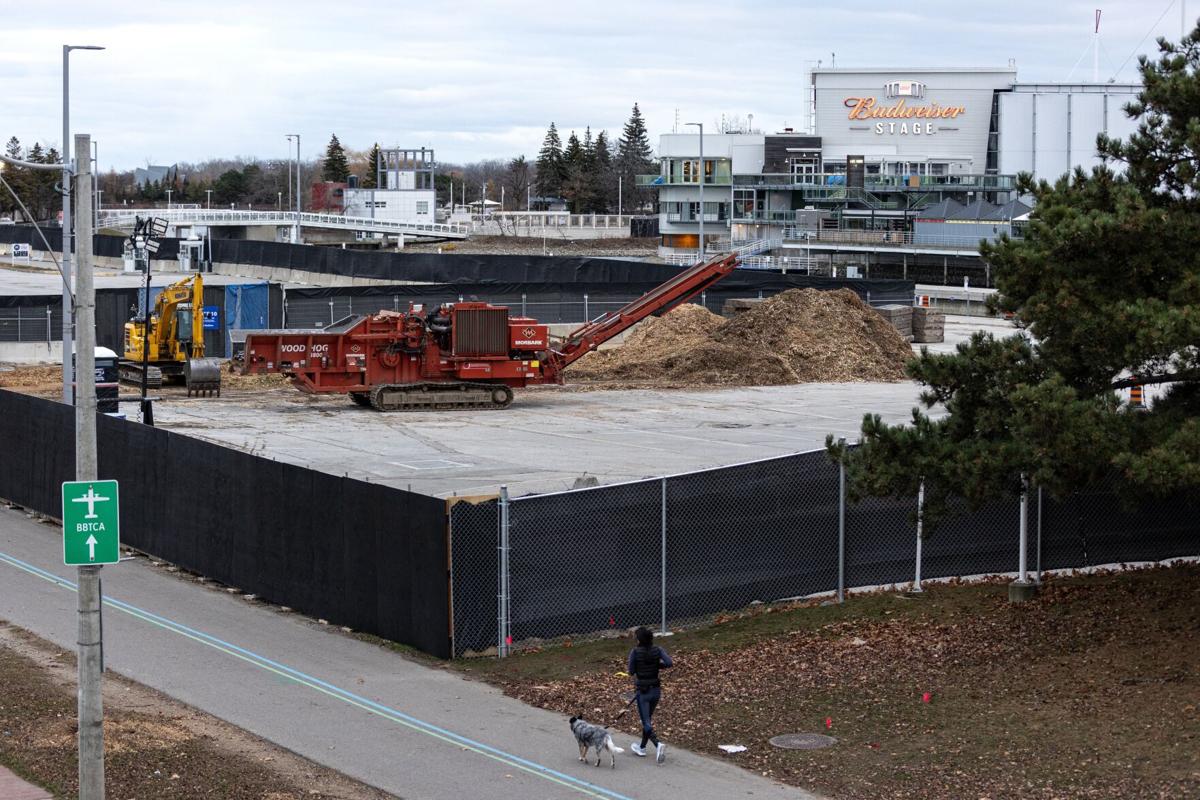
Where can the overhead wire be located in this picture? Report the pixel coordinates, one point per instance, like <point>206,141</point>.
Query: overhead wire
<point>1138,46</point>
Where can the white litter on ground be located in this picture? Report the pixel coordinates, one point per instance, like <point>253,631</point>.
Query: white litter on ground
<point>732,748</point>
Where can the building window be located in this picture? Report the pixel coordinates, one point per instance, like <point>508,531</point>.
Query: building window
<point>422,206</point>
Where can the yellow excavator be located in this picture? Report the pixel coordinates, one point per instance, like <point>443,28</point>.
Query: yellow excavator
<point>170,345</point>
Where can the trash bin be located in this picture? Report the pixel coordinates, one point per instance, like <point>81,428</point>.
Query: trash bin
<point>107,384</point>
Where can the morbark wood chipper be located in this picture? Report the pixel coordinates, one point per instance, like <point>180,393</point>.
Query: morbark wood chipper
<point>453,355</point>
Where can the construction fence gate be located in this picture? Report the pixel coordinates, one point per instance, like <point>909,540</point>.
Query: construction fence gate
<point>665,551</point>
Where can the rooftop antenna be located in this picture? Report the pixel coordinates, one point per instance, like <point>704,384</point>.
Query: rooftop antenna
<point>833,60</point>
<point>676,128</point>
<point>1096,50</point>
<point>750,123</point>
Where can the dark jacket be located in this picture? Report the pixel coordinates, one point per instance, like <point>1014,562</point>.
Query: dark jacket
<point>644,663</point>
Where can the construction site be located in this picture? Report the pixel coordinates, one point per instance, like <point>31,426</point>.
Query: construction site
<point>680,378</point>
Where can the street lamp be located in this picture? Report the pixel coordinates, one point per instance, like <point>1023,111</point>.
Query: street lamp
<point>296,232</point>
<point>700,125</point>
<point>169,198</point>
<point>207,198</point>
<point>68,310</point>
<point>279,201</point>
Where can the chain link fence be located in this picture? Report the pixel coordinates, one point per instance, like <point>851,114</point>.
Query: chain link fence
<point>666,551</point>
<point>31,324</point>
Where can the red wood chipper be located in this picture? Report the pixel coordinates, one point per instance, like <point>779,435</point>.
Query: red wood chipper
<point>453,355</point>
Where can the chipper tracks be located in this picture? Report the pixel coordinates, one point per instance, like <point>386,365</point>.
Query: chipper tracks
<point>434,396</point>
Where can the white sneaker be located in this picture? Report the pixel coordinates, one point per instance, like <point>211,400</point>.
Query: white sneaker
<point>638,750</point>
<point>661,755</point>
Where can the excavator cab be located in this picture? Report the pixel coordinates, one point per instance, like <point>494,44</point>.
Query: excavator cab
<point>174,338</point>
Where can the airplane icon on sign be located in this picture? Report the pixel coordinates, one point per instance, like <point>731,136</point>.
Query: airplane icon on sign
<point>91,498</point>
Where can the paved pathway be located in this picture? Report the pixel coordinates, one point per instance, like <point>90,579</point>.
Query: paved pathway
<point>414,731</point>
<point>13,788</point>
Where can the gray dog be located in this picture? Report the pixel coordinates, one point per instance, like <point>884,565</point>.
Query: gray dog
<point>590,736</point>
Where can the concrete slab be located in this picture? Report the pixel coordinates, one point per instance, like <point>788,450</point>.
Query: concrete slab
<point>546,440</point>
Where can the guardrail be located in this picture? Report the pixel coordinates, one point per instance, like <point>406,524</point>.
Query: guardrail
<point>125,218</point>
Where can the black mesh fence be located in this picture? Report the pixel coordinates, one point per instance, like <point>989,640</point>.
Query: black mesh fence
<point>357,554</point>
<point>665,551</point>
<point>758,531</point>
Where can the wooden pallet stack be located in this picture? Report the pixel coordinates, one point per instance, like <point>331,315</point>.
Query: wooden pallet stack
<point>901,318</point>
<point>928,326</point>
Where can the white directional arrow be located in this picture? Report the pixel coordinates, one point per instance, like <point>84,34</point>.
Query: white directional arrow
<point>91,543</point>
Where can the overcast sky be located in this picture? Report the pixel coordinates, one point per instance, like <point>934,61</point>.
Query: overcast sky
<point>187,81</point>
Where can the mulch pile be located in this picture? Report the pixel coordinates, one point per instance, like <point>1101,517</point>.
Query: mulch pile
<point>797,336</point>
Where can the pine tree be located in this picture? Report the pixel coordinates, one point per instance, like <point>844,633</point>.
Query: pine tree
<point>573,152</point>
<point>1107,282</point>
<point>605,179</point>
<point>335,167</point>
<point>370,180</point>
<point>635,157</point>
<point>550,165</point>
<point>14,176</point>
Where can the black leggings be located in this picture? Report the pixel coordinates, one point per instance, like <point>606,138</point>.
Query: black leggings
<point>647,701</point>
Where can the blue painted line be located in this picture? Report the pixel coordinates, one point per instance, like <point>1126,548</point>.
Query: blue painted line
<point>532,767</point>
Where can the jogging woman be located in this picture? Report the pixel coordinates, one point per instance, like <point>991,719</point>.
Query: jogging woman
<point>645,660</point>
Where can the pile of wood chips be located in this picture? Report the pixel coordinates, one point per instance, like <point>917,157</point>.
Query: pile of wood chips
<point>798,336</point>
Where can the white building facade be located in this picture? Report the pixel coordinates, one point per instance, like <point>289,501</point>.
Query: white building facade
<point>883,144</point>
<point>406,192</point>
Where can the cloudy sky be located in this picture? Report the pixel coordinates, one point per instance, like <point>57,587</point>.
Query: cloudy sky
<point>187,81</point>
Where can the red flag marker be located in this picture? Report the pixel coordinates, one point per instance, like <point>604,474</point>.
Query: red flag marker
<point>828,723</point>
<point>508,640</point>
<point>612,621</point>
<point>926,698</point>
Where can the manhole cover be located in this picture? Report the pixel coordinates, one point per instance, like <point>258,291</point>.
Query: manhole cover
<point>803,741</point>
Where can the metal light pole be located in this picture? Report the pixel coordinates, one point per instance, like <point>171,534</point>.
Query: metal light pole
<point>169,191</point>
<point>279,201</point>
<point>620,187</point>
<point>207,198</point>
<point>68,312</point>
<point>296,230</point>
<point>90,705</point>
<point>700,125</point>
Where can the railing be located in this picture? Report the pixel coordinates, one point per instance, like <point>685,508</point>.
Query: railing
<point>889,238</point>
<point>670,180</point>
<point>962,182</point>
<point>125,218</point>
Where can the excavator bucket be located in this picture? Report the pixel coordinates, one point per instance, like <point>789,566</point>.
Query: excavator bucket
<point>203,377</point>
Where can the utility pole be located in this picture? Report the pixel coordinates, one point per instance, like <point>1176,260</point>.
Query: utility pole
<point>90,707</point>
<point>67,311</point>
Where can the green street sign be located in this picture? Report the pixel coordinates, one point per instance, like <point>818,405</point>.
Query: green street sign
<point>91,522</point>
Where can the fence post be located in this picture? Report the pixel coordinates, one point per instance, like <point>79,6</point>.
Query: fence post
<point>920,533</point>
<point>502,605</point>
<point>331,311</point>
<point>1021,589</point>
<point>586,316</point>
<point>1037,577</point>
<point>841,587</point>
<point>47,327</point>
<point>524,313</point>
<point>663,559</point>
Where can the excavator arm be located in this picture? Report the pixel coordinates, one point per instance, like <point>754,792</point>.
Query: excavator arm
<point>679,289</point>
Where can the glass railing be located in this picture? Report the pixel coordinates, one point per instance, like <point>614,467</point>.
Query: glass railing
<point>667,180</point>
<point>996,183</point>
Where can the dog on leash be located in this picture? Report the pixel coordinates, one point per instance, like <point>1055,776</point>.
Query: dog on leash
<point>589,736</point>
